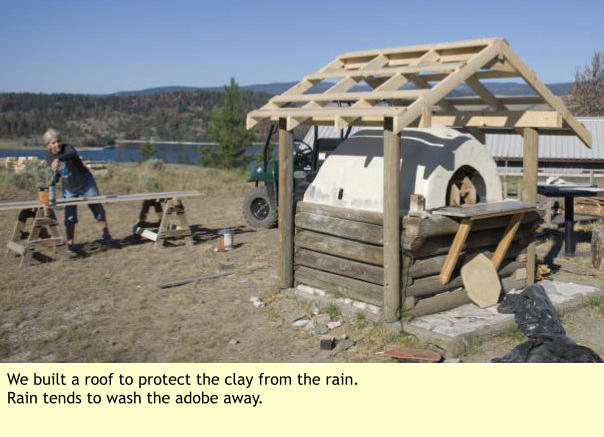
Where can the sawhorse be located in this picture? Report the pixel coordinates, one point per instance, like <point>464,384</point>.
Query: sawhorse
<point>42,232</point>
<point>172,222</point>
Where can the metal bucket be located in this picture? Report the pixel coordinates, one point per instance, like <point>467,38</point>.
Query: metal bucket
<point>226,239</point>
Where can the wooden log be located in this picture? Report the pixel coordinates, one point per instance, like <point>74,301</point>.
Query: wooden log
<point>371,254</point>
<point>438,225</point>
<point>511,282</point>
<point>432,265</point>
<point>414,227</point>
<point>340,266</point>
<point>530,160</point>
<point>349,268</point>
<point>358,215</point>
<point>453,299</point>
<point>438,303</point>
<point>353,230</point>
<point>432,284</point>
<point>340,247</point>
<point>341,285</point>
<point>597,248</point>
<point>392,223</point>
<point>421,248</point>
<point>286,205</point>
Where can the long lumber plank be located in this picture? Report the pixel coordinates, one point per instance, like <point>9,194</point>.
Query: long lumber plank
<point>108,198</point>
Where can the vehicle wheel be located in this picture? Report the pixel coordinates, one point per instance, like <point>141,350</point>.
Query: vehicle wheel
<point>258,208</point>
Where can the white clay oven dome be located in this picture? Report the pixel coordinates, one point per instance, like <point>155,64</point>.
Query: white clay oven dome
<point>434,162</point>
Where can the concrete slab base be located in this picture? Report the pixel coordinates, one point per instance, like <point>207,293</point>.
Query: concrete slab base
<point>454,329</point>
<point>348,307</point>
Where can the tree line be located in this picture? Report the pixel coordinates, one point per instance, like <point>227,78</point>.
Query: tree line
<point>99,120</point>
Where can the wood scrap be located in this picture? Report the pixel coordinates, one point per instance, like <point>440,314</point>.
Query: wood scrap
<point>179,282</point>
<point>413,355</point>
<point>481,281</point>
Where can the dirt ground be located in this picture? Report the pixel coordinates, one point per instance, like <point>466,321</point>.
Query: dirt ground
<point>107,307</point>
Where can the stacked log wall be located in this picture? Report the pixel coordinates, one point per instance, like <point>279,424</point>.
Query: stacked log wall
<point>340,250</point>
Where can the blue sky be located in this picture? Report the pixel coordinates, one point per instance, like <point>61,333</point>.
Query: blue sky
<point>107,46</point>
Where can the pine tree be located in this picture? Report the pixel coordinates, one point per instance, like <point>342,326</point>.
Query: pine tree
<point>227,129</point>
<point>147,151</point>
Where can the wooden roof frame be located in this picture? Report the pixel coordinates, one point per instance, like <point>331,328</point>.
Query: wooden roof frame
<point>435,71</point>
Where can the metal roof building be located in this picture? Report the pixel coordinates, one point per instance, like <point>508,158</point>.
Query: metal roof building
<point>564,148</point>
<point>558,154</point>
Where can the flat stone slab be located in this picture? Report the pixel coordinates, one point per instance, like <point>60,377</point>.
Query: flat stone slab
<point>451,329</point>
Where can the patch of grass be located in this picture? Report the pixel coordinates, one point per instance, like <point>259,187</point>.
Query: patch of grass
<point>380,337</point>
<point>473,344</point>
<point>595,305</point>
<point>270,292</point>
<point>360,319</point>
<point>333,311</point>
<point>512,334</point>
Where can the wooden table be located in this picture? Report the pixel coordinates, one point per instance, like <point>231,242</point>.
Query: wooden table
<point>569,192</point>
<point>44,232</point>
<point>469,214</point>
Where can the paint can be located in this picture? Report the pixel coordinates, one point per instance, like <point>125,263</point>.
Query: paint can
<point>43,195</point>
<point>226,239</point>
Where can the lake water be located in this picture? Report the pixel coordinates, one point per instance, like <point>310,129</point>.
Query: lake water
<point>169,153</point>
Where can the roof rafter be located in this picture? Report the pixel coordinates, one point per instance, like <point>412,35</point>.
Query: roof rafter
<point>414,86</point>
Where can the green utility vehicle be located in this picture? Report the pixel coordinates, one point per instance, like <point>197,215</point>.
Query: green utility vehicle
<point>261,202</point>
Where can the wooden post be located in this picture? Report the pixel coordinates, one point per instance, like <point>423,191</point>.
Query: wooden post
<point>529,189</point>
<point>286,205</point>
<point>391,237</point>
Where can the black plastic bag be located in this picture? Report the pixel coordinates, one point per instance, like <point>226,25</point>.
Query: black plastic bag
<point>547,342</point>
<point>534,312</point>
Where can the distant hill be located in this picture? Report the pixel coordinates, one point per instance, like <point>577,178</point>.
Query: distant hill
<point>171,113</point>
<point>274,88</point>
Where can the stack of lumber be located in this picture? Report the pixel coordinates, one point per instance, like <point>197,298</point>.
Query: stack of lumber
<point>18,164</point>
<point>340,250</point>
<point>590,206</point>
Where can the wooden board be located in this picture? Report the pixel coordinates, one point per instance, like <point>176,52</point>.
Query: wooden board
<point>436,70</point>
<point>438,225</point>
<point>479,277</point>
<point>109,198</point>
<point>486,210</point>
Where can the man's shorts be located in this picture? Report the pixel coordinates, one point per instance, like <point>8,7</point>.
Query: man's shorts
<point>88,190</point>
